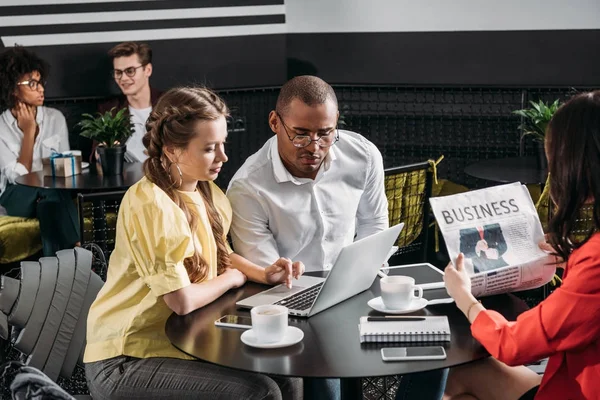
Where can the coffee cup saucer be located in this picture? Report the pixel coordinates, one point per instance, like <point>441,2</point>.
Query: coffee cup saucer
<point>292,336</point>
<point>415,305</point>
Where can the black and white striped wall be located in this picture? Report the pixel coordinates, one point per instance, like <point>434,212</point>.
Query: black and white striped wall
<point>250,43</point>
<point>447,42</point>
<point>222,43</point>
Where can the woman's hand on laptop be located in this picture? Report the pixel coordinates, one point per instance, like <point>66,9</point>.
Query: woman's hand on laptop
<point>283,270</point>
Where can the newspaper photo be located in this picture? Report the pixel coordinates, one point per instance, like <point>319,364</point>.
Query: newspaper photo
<point>498,231</point>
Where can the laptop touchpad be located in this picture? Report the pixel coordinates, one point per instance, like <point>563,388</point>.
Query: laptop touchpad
<point>283,290</point>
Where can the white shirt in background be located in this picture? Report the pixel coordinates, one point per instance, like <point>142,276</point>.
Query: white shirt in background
<point>135,147</point>
<point>53,135</point>
<point>277,215</point>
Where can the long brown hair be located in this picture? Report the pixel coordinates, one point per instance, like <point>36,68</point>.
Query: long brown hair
<point>171,123</point>
<point>573,149</point>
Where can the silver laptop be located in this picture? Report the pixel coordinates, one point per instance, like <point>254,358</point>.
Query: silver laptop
<point>353,272</point>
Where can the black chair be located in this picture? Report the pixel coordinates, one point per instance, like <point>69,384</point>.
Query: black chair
<point>98,214</point>
<point>408,189</point>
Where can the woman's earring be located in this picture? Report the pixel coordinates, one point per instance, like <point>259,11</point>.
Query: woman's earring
<point>180,174</point>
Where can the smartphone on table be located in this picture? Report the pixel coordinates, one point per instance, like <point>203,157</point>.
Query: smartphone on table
<point>235,321</point>
<point>413,353</point>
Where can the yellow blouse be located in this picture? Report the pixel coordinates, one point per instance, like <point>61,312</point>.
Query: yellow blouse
<point>153,238</point>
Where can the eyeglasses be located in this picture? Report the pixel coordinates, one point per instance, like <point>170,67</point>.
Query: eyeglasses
<point>300,140</point>
<point>118,74</point>
<point>32,83</point>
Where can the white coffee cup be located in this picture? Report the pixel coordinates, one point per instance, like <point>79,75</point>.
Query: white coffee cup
<point>269,323</point>
<point>397,291</point>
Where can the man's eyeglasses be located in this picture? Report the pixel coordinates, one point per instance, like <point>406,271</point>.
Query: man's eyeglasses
<point>118,74</point>
<point>32,83</point>
<point>301,140</point>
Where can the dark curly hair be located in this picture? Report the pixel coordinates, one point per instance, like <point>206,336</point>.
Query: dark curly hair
<point>14,63</point>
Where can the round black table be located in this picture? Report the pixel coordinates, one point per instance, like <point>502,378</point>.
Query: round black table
<point>87,181</point>
<point>330,348</point>
<point>506,170</point>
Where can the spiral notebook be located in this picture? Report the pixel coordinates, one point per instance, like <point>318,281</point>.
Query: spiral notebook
<point>430,329</point>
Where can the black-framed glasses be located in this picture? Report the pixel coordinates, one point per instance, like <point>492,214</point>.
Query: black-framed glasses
<point>300,140</point>
<point>130,71</point>
<point>32,83</point>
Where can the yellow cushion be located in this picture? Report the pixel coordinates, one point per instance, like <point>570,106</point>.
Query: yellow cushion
<point>404,192</point>
<point>111,227</point>
<point>585,219</point>
<point>19,238</point>
<point>444,187</point>
<point>543,205</point>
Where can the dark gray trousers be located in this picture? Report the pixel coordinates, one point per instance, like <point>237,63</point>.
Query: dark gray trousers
<point>170,378</point>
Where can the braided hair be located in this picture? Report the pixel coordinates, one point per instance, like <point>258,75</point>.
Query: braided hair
<point>171,123</point>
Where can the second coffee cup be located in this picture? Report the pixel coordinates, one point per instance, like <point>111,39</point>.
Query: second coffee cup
<point>269,323</point>
<point>397,291</point>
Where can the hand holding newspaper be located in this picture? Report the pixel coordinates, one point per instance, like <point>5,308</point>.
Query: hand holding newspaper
<point>498,231</point>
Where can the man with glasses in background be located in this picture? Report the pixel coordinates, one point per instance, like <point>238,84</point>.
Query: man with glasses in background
<point>308,192</point>
<point>132,68</point>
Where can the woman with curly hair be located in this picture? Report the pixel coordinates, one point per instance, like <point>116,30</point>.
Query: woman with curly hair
<point>29,132</point>
<point>171,255</point>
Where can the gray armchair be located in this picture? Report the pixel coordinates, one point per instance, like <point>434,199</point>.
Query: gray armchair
<point>44,313</point>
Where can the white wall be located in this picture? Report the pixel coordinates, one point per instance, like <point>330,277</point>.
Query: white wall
<point>308,16</point>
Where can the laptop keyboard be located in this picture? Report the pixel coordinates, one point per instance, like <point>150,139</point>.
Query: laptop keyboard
<point>302,300</point>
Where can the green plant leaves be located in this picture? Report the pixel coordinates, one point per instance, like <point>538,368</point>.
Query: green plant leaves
<point>536,118</point>
<point>110,129</point>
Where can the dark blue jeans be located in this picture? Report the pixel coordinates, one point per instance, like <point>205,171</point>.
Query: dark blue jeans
<point>55,209</point>
<point>428,385</point>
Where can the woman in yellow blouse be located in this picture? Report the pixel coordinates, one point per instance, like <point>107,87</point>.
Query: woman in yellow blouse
<point>171,255</point>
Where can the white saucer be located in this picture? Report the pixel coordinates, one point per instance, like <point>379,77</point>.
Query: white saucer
<point>292,336</point>
<point>85,165</point>
<point>415,305</point>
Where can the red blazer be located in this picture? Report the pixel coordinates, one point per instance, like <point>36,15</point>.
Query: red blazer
<point>565,327</point>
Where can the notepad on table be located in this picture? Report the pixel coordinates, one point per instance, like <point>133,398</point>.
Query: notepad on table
<point>428,329</point>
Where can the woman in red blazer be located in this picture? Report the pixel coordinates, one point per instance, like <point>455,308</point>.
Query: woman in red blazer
<point>566,326</point>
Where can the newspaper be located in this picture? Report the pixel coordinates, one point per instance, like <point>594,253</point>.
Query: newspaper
<point>498,231</point>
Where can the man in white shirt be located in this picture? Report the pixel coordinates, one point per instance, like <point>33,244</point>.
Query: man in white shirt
<point>132,68</point>
<point>312,188</point>
<point>309,191</point>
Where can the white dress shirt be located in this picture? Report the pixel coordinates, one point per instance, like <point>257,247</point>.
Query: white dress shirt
<point>278,215</point>
<point>135,147</point>
<point>53,135</point>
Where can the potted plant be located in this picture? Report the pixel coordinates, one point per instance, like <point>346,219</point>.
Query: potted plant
<point>111,130</point>
<point>534,122</point>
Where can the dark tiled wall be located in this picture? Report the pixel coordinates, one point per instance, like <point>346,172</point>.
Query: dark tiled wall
<point>408,124</point>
